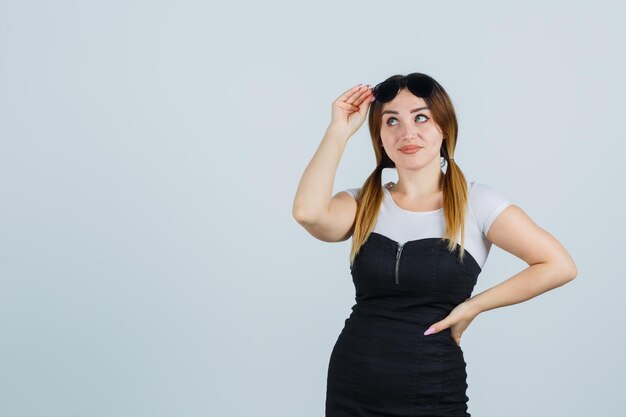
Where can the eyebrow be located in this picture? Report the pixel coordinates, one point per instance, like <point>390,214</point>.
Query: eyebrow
<point>412,111</point>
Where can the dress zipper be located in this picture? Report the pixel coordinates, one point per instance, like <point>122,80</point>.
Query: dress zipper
<point>400,245</point>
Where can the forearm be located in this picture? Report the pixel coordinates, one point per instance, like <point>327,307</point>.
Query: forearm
<point>527,284</point>
<point>316,185</point>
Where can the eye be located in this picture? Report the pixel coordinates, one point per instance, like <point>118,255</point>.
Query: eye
<point>423,115</point>
<point>417,115</point>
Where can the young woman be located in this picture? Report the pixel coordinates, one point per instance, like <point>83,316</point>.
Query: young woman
<point>418,247</point>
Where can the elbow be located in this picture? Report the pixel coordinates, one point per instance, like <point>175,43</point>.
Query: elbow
<point>562,271</point>
<point>296,214</point>
<point>306,215</point>
<point>569,271</point>
<point>573,271</point>
<point>300,216</point>
<point>297,211</point>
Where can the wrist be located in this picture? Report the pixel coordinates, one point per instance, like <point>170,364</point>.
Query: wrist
<point>473,307</point>
<point>339,132</point>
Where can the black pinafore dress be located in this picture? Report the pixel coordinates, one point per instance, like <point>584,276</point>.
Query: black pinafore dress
<point>382,364</point>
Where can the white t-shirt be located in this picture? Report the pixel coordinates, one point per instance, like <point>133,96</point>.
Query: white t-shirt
<point>403,225</point>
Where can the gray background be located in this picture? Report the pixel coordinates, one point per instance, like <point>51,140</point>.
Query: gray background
<point>149,157</point>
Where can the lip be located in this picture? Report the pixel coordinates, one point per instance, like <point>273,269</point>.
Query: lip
<point>410,149</point>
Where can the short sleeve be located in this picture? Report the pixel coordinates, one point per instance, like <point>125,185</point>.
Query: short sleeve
<point>354,192</point>
<point>487,204</point>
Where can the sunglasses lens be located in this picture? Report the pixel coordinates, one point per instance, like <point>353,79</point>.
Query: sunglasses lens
<point>386,90</point>
<point>420,85</point>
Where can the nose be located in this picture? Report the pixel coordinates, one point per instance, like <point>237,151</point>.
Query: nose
<point>409,132</point>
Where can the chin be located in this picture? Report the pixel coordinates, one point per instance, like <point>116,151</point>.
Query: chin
<point>411,166</point>
<point>416,163</point>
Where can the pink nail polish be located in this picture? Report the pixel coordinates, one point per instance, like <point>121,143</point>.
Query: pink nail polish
<point>430,330</point>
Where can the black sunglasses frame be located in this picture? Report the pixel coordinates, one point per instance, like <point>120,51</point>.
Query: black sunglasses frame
<point>418,84</point>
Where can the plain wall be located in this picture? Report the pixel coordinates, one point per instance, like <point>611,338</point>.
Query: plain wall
<point>149,156</point>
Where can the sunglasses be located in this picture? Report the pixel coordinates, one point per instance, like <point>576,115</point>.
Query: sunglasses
<point>419,84</point>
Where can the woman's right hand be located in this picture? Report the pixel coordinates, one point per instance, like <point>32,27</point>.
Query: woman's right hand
<point>349,110</point>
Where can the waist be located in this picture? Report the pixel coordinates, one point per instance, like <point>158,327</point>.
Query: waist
<point>416,315</point>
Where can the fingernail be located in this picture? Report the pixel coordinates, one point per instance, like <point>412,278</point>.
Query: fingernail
<point>430,330</point>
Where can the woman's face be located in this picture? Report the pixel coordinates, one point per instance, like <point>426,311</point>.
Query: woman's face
<point>403,126</point>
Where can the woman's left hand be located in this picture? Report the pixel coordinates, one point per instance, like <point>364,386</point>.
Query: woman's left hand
<point>458,320</point>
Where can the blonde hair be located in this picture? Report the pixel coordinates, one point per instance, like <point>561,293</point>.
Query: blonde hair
<point>454,185</point>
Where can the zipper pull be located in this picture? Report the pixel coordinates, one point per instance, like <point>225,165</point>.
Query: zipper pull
<point>400,245</point>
